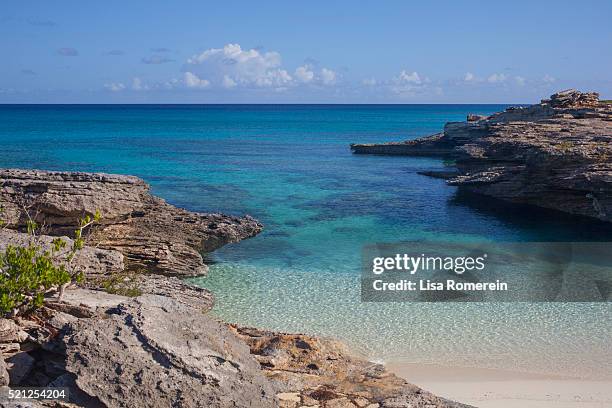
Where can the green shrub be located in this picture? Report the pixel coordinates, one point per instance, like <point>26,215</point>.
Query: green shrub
<point>123,283</point>
<point>28,273</point>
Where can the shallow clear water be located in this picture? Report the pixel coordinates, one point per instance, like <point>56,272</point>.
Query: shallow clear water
<point>290,166</point>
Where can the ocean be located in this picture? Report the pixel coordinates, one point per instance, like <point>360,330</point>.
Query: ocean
<point>290,166</point>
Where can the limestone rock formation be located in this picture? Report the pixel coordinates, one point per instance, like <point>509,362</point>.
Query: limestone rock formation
<point>571,98</point>
<point>154,349</point>
<point>101,266</point>
<point>311,371</point>
<point>556,154</point>
<point>200,299</point>
<point>150,233</point>
<point>114,351</point>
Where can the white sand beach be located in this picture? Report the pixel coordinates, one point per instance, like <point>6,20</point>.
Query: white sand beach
<point>489,388</point>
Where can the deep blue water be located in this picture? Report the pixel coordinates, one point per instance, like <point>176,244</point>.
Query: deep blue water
<point>290,166</point>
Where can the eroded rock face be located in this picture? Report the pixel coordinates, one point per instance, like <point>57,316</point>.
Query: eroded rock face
<point>152,234</point>
<point>198,298</point>
<point>10,332</point>
<point>157,350</point>
<point>311,371</point>
<point>556,154</point>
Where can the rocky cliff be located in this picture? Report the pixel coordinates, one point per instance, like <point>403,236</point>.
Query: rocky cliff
<point>150,233</point>
<point>159,347</point>
<point>556,154</point>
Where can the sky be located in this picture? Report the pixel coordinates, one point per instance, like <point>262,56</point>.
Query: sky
<point>302,52</point>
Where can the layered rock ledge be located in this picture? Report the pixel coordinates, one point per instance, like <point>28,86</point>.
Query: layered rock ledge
<point>556,154</point>
<point>151,234</point>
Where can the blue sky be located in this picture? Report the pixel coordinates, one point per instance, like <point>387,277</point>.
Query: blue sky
<point>302,52</point>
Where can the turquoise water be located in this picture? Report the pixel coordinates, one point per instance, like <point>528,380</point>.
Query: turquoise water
<point>290,167</point>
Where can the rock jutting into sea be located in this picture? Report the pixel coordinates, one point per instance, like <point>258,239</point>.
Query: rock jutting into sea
<point>149,232</point>
<point>133,334</point>
<point>556,154</point>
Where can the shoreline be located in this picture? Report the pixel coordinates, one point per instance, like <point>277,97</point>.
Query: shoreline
<point>488,388</point>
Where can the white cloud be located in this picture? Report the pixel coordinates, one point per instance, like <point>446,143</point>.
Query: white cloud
<point>138,85</point>
<point>408,84</point>
<point>520,80</point>
<point>328,76</point>
<point>231,66</point>
<point>495,78</point>
<point>409,77</point>
<point>228,82</point>
<point>548,79</point>
<point>115,86</point>
<point>304,73</point>
<point>469,77</point>
<point>172,83</point>
<point>193,81</point>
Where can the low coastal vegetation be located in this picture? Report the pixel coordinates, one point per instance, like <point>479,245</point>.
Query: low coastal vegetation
<point>29,273</point>
<point>123,283</point>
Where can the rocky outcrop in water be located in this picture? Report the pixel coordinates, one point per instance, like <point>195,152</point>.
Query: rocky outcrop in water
<point>556,154</point>
<point>151,234</point>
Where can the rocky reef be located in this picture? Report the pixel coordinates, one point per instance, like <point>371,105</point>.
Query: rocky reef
<point>556,154</point>
<point>146,339</point>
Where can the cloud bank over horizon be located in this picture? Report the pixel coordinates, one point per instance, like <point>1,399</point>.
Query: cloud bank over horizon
<point>233,68</point>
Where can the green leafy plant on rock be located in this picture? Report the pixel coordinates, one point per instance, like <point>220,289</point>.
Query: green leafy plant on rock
<point>28,273</point>
<point>122,283</point>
